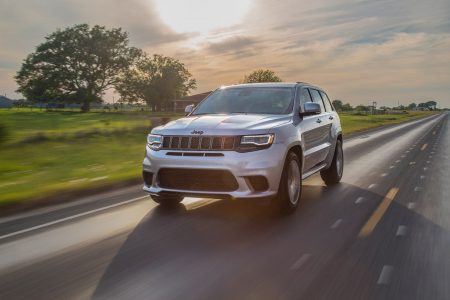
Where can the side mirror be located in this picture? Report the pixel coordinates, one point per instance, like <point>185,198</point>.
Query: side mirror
<point>310,108</point>
<point>188,109</point>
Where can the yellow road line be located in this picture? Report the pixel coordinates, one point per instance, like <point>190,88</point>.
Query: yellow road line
<point>378,214</point>
<point>424,146</point>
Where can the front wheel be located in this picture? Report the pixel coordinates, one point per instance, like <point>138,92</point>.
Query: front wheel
<point>290,189</point>
<point>333,174</point>
<point>167,200</point>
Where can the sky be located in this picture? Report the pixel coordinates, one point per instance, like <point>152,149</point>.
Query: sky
<point>359,51</point>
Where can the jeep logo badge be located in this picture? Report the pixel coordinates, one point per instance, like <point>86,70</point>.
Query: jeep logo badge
<point>197,132</point>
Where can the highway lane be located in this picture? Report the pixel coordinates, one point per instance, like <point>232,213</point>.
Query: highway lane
<point>225,249</point>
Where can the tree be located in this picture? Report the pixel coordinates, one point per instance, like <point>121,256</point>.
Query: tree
<point>431,105</point>
<point>156,80</point>
<point>77,64</point>
<point>347,107</point>
<point>338,105</point>
<point>412,106</point>
<point>261,76</point>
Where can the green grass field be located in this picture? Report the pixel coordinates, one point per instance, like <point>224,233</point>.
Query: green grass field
<point>65,160</point>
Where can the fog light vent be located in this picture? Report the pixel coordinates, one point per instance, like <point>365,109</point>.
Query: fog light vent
<point>258,183</point>
<point>148,178</point>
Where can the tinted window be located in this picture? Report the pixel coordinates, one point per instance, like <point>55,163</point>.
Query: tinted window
<point>304,97</point>
<point>317,99</point>
<point>248,100</point>
<point>326,101</point>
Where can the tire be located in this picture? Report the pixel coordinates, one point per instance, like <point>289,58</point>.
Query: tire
<point>333,174</point>
<point>167,201</point>
<point>290,188</point>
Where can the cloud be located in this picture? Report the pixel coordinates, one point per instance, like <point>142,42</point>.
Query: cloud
<point>386,50</point>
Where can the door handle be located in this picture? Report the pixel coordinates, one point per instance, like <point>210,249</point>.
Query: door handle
<point>331,118</point>
<point>318,121</point>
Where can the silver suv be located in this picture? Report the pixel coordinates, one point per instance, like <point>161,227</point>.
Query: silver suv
<point>246,141</point>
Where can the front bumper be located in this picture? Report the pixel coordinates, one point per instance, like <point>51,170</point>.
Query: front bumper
<point>267,162</point>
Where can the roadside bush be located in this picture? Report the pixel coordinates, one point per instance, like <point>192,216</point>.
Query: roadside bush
<point>4,133</point>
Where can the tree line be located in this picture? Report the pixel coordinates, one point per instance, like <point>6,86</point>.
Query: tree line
<point>340,106</point>
<point>78,64</point>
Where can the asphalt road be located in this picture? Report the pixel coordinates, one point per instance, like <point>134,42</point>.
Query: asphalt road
<point>383,233</point>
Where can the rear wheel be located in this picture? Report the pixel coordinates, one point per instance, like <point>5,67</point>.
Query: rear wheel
<point>333,174</point>
<point>167,200</point>
<point>290,189</point>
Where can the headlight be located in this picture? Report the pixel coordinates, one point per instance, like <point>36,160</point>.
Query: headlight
<point>263,140</point>
<point>154,141</point>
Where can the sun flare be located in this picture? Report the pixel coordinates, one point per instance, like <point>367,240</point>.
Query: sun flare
<point>201,15</point>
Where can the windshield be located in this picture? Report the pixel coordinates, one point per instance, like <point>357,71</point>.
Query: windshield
<point>249,100</point>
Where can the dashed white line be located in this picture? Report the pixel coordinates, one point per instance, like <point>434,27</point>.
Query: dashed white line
<point>384,174</point>
<point>425,168</point>
<point>398,160</point>
<point>372,185</point>
<point>359,200</point>
<point>336,224</point>
<point>301,261</point>
<point>418,189</point>
<point>411,205</point>
<point>403,156</point>
<point>412,163</point>
<point>385,275</point>
<point>391,167</point>
<point>401,230</point>
<point>422,176</point>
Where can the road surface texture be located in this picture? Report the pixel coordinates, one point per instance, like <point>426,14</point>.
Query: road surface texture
<point>383,233</point>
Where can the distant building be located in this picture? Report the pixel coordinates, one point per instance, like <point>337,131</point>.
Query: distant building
<point>6,102</point>
<point>180,104</point>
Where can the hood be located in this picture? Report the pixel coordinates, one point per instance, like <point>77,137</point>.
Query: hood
<point>236,124</point>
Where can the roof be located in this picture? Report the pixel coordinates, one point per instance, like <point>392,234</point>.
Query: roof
<point>270,84</point>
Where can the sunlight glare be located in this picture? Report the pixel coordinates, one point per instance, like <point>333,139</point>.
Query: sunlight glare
<point>201,15</point>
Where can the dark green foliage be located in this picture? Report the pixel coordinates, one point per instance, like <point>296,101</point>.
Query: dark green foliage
<point>261,76</point>
<point>155,80</point>
<point>76,65</point>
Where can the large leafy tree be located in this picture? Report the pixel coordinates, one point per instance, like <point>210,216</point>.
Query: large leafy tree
<point>156,80</point>
<point>77,64</point>
<point>261,76</point>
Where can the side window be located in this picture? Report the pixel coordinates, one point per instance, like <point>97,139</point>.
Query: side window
<point>326,101</point>
<point>317,99</point>
<point>304,97</point>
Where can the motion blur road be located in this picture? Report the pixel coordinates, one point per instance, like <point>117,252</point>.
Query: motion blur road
<point>383,233</point>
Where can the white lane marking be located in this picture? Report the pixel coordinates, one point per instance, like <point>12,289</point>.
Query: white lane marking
<point>418,189</point>
<point>391,167</point>
<point>301,261</point>
<point>385,275</point>
<point>407,151</point>
<point>98,178</point>
<point>384,174</point>
<point>336,224</point>
<point>425,168</point>
<point>412,163</point>
<point>422,176</point>
<point>398,160</point>
<point>403,156</point>
<point>411,205</point>
<point>428,161</point>
<point>401,230</point>
<point>372,185</point>
<point>70,218</point>
<point>359,200</point>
